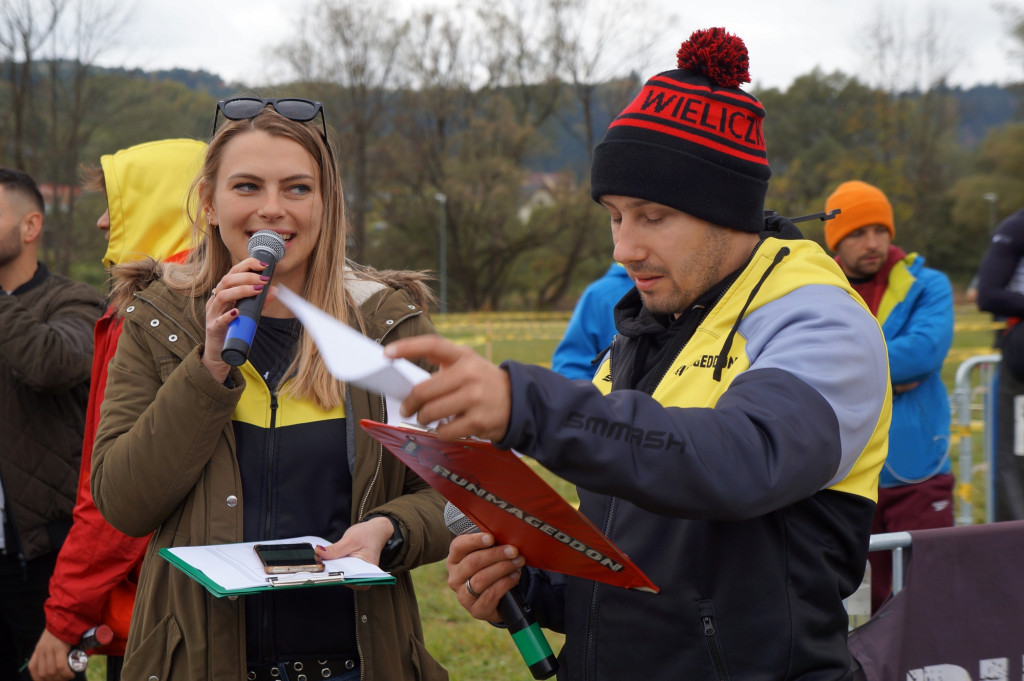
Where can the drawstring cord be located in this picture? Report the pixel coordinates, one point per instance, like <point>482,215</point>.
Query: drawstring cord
<point>723,356</point>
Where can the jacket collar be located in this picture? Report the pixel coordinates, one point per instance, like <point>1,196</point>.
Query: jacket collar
<point>38,278</point>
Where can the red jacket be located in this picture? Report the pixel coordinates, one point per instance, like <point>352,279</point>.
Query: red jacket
<point>97,569</point>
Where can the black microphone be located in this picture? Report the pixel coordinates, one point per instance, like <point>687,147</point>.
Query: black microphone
<point>268,246</point>
<point>526,633</point>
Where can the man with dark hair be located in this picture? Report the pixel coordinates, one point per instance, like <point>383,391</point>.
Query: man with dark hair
<point>722,445</point>
<point>97,571</point>
<point>45,353</point>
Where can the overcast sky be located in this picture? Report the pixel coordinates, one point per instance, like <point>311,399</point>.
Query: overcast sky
<point>785,38</point>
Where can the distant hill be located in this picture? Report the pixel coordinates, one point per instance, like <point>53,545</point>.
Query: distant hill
<point>201,81</point>
<point>986,106</point>
<point>981,108</point>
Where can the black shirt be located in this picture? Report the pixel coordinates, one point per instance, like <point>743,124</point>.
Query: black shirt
<point>295,481</point>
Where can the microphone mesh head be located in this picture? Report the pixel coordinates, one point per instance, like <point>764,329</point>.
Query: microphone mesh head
<point>457,522</point>
<point>267,245</point>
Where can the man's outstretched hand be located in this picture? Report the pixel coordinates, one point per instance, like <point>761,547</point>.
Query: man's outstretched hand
<point>468,395</point>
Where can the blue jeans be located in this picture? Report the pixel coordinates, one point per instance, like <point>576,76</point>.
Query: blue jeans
<point>347,676</point>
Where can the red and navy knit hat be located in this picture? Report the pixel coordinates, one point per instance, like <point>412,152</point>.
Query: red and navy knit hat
<point>692,139</point>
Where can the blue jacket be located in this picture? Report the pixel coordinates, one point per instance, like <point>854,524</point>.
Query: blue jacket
<point>592,325</point>
<point>916,315</point>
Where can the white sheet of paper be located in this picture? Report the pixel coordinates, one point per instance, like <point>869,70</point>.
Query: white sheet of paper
<point>351,356</point>
<point>235,566</point>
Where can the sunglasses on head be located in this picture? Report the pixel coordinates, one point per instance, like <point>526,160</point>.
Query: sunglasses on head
<point>292,108</point>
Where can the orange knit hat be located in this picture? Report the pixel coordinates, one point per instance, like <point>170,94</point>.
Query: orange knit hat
<point>861,204</point>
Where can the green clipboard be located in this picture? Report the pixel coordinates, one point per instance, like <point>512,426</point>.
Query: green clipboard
<point>234,569</point>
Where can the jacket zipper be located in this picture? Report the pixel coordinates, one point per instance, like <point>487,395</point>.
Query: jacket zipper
<point>589,658</point>
<point>706,611</point>
<point>362,510</point>
<point>384,415</point>
<point>268,642</point>
<point>369,488</point>
<point>380,463</point>
<point>269,462</point>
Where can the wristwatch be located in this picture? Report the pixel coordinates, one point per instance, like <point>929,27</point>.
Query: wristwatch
<point>394,544</point>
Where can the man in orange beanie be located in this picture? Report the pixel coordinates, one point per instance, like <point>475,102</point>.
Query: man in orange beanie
<point>914,306</point>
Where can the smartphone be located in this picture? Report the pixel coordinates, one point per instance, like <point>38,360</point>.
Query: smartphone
<point>284,558</point>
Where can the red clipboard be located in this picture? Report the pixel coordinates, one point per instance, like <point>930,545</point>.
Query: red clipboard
<point>502,495</point>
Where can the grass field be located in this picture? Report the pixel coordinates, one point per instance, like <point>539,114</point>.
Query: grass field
<point>474,651</point>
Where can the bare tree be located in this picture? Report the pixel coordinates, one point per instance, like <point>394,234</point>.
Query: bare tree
<point>456,136</point>
<point>912,159</point>
<point>353,45</point>
<point>1013,15</point>
<point>25,25</point>
<point>486,79</point>
<point>523,52</point>
<point>49,50</point>
<point>594,45</point>
<point>78,104</point>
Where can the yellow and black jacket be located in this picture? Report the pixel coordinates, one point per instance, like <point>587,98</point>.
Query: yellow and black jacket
<point>741,478</point>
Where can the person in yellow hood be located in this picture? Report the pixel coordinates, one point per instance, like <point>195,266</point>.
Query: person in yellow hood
<point>146,187</point>
<point>95,578</point>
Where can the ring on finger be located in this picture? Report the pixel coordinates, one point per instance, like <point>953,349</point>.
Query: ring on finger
<point>469,588</point>
<point>214,293</point>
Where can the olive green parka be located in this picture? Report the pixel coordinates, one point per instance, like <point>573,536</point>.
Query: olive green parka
<point>164,462</point>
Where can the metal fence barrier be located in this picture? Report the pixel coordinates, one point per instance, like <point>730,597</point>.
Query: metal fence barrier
<point>962,407</point>
<point>962,403</point>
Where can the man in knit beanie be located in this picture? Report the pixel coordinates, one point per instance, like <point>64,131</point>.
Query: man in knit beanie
<point>720,445</point>
<point>914,306</point>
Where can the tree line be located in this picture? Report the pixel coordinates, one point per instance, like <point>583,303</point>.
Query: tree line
<point>444,117</point>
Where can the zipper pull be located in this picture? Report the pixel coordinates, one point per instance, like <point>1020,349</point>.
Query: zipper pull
<point>709,625</point>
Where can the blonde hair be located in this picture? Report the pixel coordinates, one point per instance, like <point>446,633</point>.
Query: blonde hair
<point>324,286</point>
<point>92,178</point>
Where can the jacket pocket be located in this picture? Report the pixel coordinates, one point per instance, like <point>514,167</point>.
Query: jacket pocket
<point>706,612</point>
<point>151,658</point>
<point>427,668</point>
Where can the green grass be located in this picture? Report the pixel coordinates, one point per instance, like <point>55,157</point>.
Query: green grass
<point>472,650</point>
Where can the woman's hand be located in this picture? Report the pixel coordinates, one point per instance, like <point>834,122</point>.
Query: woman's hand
<point>244,280</point>
<point>363,540</point>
